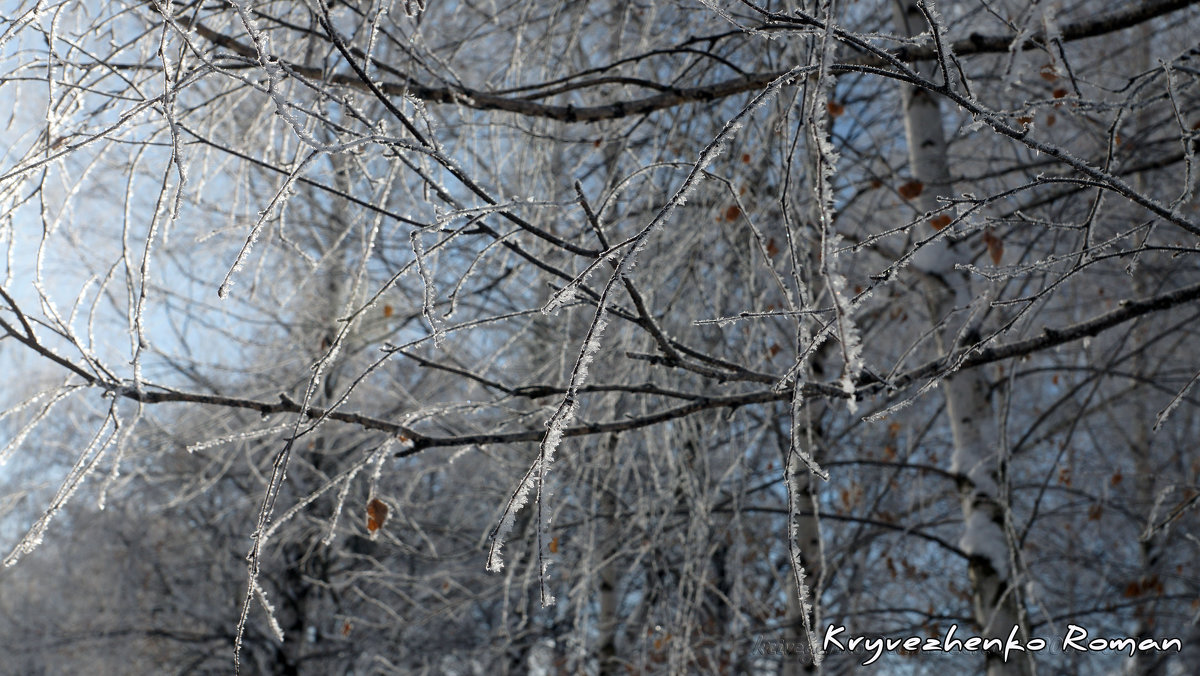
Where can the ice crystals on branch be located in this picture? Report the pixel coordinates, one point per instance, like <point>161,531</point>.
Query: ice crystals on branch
<point>272,622</point>
<point>21,435</point>
<point>425,262</point>
<point>85,464</point>
<point>849,337</point>
<point>239,436</point>
<point>535,476</point>
<point>1178,399</point>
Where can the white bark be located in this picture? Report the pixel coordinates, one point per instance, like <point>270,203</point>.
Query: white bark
<point>948,293</point>
<point>808,538</point>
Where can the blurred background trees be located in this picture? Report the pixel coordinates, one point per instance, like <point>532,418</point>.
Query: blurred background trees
<point>604,337</point>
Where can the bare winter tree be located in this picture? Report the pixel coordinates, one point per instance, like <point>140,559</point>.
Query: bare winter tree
<point>604,337</point>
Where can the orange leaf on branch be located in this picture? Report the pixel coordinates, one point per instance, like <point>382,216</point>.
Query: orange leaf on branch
<point>377,513</point>
<point>940,221</point>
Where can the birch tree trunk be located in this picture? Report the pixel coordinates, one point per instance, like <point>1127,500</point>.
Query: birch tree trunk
<point>808,537</point>
<point>606,557</point>
<point>1140,439</point>
<point>948,293</point>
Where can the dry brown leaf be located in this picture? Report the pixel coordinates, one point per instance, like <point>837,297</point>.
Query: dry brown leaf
<point>995,247</point>
<point>377,513</point>
<point>911,189</point>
